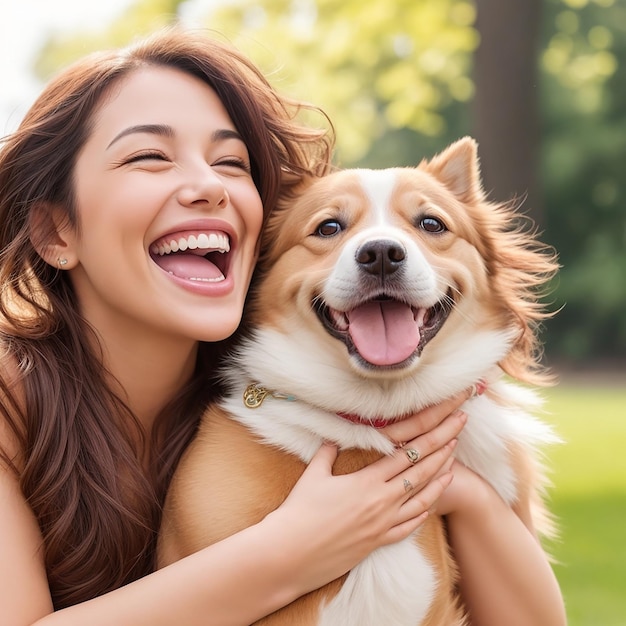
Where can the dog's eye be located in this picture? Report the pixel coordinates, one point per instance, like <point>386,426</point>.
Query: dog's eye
<point>432,225</point>
<point>329,228</point>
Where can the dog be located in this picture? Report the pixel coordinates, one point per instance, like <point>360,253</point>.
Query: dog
<point>381,292</point>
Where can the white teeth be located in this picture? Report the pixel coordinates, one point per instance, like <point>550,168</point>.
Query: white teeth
<point>203,241</point>
<point>339,320</point>
<point>217,279</point>
<point>219,242</point>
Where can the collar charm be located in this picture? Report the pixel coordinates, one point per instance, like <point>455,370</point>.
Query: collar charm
<point>254,394</point>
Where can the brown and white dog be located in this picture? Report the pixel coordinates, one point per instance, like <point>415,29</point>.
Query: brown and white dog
<point>382,292</point>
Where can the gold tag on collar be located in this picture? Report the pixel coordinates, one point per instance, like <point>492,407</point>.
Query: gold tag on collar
<point>254,395</point>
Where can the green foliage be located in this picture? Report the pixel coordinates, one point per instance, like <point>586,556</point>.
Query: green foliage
<point>376,68</point>
<point>589,498</point>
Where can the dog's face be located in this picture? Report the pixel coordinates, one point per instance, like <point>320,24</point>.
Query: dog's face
<point>385,264</point>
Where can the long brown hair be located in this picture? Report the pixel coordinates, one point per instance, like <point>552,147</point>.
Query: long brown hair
<point>79,465</point>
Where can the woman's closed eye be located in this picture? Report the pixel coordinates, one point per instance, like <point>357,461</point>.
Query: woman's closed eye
<point>233,163</point>
<point>144,156</point>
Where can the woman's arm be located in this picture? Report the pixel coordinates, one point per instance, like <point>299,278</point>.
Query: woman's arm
<point>327,525</point>
<point>505,575</point>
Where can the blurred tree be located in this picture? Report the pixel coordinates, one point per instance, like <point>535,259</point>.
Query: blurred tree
<point>376,68</point>
<point>505,109</point>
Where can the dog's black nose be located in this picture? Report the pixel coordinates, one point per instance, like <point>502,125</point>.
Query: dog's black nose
<point>381,257</point>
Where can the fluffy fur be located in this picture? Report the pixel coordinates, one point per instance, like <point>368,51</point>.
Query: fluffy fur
<point>418,243</point>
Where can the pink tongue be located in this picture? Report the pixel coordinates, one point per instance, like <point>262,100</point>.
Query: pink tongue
<point>384,332</point>
<point>188,266</point>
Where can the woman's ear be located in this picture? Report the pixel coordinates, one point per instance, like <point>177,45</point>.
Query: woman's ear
<point>52,235</point>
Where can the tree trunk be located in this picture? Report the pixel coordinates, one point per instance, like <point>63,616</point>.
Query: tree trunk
<point>506,103</point>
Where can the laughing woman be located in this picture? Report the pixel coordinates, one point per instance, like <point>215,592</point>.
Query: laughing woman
<point>108,354</point>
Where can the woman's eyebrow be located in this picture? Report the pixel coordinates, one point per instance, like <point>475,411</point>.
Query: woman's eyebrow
<point>226,133</point>
<point>164,130</point>
<point>154,129</point>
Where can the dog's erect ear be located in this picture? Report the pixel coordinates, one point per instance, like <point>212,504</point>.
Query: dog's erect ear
<point>458,169</point>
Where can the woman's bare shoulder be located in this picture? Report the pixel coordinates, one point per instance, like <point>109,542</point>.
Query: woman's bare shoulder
<point>24,593</point>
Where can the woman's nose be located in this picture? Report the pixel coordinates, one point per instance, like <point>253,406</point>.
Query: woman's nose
<point>203,188</point>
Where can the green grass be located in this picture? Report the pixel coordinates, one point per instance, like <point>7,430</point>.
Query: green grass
<point>589,498</point>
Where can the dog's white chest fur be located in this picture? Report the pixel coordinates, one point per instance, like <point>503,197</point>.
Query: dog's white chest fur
<point>393,585</point>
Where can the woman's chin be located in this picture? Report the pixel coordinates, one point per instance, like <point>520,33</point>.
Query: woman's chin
<point>217,328</point>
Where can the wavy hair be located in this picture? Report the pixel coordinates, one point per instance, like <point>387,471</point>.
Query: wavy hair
<point>80,466</point>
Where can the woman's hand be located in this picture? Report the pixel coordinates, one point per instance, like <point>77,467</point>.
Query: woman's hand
<point>341,519</point>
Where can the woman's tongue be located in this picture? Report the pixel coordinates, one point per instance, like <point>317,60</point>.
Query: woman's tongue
<point>190,266</point>
<point>384,332</point>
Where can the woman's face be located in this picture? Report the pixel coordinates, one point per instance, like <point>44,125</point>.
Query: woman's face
<point>168,214</point>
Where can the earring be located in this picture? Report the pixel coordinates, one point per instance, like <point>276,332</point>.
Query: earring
<point>61,262</point>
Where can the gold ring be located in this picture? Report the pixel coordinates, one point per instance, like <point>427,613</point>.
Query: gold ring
<point>413,455</point>
<point>408,485</point>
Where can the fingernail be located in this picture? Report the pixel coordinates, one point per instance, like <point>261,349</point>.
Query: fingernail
<point>447,466</point>
<point>481,387</point>
<point>462,415</point>
<point>447,478</point>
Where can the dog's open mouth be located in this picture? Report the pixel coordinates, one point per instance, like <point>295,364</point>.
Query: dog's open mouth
<point>383,331</point>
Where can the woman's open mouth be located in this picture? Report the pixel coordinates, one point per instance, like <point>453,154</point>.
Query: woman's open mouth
<point>201,256</point>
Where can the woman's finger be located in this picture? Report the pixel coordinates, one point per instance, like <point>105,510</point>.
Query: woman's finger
<point>415,478</point>
<point>415,511</point>
<point>418,449</point>
<point>428,418</point>
<point>324,458</point>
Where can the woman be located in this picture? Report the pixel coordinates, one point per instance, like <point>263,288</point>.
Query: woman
<point>108,353</point>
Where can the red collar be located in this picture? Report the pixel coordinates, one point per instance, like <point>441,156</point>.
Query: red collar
<point>375,422</point>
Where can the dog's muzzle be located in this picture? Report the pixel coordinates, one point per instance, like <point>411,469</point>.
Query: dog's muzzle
<point>382,327</point>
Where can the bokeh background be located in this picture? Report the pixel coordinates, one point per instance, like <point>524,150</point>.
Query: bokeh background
<point>541,84</point>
